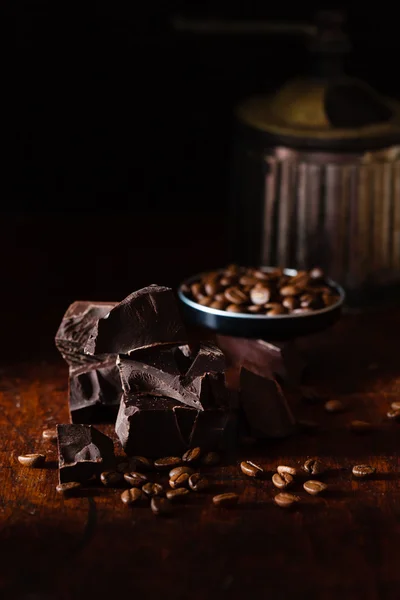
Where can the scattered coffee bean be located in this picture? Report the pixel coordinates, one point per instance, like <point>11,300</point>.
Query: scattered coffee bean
<point>168,462</point>
<point>226,500</point>
<point>111,478</point>
<point>160,506</point>
<point>210,459</point>
<point>153,489</point>
<point>242,289</point>
<point>180,470</point>
<point>198,483</point>
<point>334,406</point>
<point>141,463</point>
<point>132,496</point>
<point>192,455</point>
<point>314,487</point>
<point>361,427</point>
<point>135,479</point>
<point>179,480</point>
<point>282,480</point>
<point>286,500</point>
<point>362,471</point>
<point>50,434</point>
<point>68,489</point>
<point>285,469</point>
<point>313,466</point>
<point>32,460</point>
<point>251,469</point>
<point>123,467</point>
<point>395,406</point>
<point>393,414</point>
<point>177,494</point>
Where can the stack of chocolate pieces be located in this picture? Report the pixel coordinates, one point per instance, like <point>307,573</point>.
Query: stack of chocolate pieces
<point>131,362</point>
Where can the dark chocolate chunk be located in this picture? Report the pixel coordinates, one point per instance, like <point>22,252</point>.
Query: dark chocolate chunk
<point>265,407</point>
<point>267,359</point>
<point>83,452</point>
<point>148,317</point>
<point>75,330</point>
<point>156,426</point>
<point>95,392</point>
<point>158,372</point>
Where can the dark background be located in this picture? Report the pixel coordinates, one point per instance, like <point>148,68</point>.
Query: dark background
<point>116,143</point>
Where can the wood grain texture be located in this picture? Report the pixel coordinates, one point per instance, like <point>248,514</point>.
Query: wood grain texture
<point>344,544</point>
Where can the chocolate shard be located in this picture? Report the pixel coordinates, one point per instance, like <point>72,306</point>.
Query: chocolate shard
<point>75,330</point>
<point>161,372</point>
<point>265,407</point>
<point>278,359</point>
<point>148,317</point>
<point>155,426</point>
<point>95,392</point>
<point>83,452</point>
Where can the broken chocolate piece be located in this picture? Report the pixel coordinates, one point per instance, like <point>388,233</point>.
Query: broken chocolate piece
<point>156,426</point>
<point>75,329</point>
<point>278,359</point>
<point>146,318</point>
<point>83,452</point>
<point>95,392</point>
<point>265,407</point>
<point>158,372</point>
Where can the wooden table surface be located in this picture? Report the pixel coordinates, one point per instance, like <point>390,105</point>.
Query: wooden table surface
<point>343,545</point>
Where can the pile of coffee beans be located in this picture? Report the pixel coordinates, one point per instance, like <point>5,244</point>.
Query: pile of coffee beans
<point>258,292</point>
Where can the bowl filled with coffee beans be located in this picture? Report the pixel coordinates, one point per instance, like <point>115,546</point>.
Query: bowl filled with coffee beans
<point>267,302</point>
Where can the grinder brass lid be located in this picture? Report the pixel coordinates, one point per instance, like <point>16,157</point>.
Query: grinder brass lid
<point>307,110</point>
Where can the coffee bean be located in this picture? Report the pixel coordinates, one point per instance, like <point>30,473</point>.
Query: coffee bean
<point>123,467</point>
<point>248,280</point>
<point>226,281</point>
<point>313,466</point>
<point>329,300</point>
<point>226,500</point>
<point>111,478</point>
<point>179,470</point>
<point>168,462</point>
<point>288,290</point>
<point>210,459</point>
<point>192,455</point>
<point>197,291</point>
<point>300,280</point>
<point>314,487</point>
<point>212,288</point>
<point>141,463</point>
<point>393,414</point>
<point>310,301</point>
<point>260,295</point>
<point>285,469</point>
<point>262,276</point>
<point>220,298</point>
<point>254,309</point>
<point>50,434</point>
<point>290,302</point>
<point>334,406</point>
<point>152,489</point>
<point>277,310</point>
<point>206,301</point>
<point>286,500</point>
<point>316,274</point>
<point>197,482</point>
<point>361,427</point>
<point>232,269</point>
<point>251,469</point>
<point>302,311</point>
<point>235,308</point>
<point>160,506</point>
<point>179,480</point>
<point>282,480</point>
<point>135,479</point>
<point>177,494</point>
<point>68,489</point>
<point>32,460</point>
<point>132,496</point>
<point>395,406</point>
<point>235,295</point>
<point>218,305</point>
<point>363,471</point>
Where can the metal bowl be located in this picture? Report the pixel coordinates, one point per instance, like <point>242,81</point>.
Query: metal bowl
<point>277,327</point>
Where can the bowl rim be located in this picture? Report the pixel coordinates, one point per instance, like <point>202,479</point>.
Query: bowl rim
<point>230,315</point>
